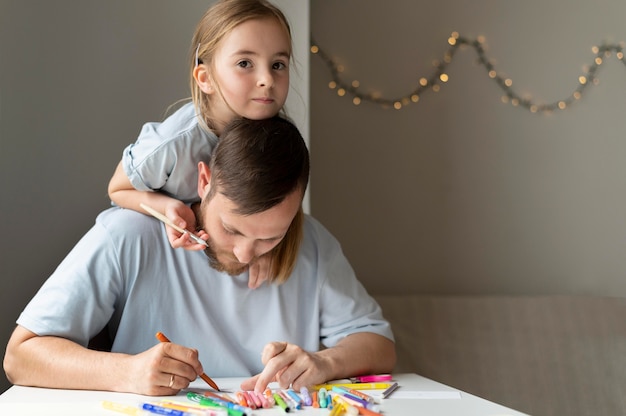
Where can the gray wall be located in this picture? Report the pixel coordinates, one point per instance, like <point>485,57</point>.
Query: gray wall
<point>77,81</point>
<point>461,193</point>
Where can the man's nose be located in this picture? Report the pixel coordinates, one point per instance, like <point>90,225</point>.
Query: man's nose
<point>244,252</point>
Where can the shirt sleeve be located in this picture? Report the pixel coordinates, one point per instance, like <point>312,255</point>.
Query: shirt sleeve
<point>80,297</point>
<point>166,154</point>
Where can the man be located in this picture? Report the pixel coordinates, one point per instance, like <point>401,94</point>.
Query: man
<point>125,274</point>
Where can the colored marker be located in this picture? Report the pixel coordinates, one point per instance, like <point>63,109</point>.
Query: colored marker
<point>269,396</point>
<point>323,397</point>
<point>354,392</point>
<point>160,410</point>
<point>373,378</point>
<point>280,402</point>
<point>294,396</point>
<point>265,403</point>
<point>390,390</point>
<point>367,412</point>
<point>156,214</point>
<point>306,397</point>
<point>233,408</point>
<point>356,386</point>
<point>121,408</point>
<point>204,411</point>
<point>316,402</point>
<point>218,396</point>
<point>351,398</point>
<point>242,399</point>
<point>251,395</point>
<point>338,409</point>
<point>290,402</point>
<point>348,408</point>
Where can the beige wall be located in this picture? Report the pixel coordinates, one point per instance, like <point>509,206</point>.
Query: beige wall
<point>461,193</point>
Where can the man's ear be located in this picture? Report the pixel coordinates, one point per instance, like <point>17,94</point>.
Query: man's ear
<point>203,78</point>
<point>204,179</point>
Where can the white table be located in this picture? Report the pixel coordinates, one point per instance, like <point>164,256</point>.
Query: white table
<point>416,395</point>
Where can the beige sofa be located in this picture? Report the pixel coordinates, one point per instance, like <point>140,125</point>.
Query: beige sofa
<point>542,355</point>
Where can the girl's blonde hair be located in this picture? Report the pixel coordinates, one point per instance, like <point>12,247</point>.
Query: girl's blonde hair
<point>218,21</point>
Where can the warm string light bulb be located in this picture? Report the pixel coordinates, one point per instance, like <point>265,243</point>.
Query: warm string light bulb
<point>440,76</point>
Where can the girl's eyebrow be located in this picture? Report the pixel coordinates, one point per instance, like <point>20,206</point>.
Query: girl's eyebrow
<point>282,54</point>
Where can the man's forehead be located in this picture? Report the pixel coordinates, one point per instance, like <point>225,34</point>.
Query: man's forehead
<point>268,224</point>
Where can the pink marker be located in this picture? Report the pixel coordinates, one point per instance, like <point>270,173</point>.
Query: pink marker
<point>265,403</point>
<point>373,378</point>
<point>251,395</point>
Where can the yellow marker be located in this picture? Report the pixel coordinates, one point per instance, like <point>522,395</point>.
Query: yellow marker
<point>121,408</point>
<point>345,406</point>
<point>355,386</point>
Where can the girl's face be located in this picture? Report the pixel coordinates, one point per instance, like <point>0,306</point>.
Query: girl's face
<point>250,75</point>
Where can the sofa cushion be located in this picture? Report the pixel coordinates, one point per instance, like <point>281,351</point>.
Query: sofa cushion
<point>542,355</point>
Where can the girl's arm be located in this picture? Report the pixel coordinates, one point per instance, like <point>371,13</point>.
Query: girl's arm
<point>122,193</point>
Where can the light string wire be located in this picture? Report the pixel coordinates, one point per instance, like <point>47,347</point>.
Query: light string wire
<point>439,77</point>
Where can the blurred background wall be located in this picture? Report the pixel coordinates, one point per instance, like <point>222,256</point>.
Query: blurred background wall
<point>461,193</point>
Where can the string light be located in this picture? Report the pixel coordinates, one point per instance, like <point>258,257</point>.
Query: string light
<point>440,76</point>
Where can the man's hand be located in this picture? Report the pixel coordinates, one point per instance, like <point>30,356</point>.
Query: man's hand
<point>290,366</point>
<point>164,369</point>
<point>54,362</point>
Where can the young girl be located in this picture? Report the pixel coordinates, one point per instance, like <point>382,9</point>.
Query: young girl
<point>240,55</point>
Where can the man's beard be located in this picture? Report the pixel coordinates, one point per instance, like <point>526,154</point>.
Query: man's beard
<point>233,268</point>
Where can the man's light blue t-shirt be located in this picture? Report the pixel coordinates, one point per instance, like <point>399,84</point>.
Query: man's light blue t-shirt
<point>124,272</point>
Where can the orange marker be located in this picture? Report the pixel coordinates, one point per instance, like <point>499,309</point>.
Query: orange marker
<point>241,399</point>
<point>161,337</point>
<point>269,396</point>
<point>314,397</point>
<point>218,396</point>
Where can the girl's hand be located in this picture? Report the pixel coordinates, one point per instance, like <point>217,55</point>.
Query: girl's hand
<point>183,216</point>
<point>259,271</point>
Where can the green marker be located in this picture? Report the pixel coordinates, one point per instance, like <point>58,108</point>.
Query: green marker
<point>232,408</point>
<point>279,401</point>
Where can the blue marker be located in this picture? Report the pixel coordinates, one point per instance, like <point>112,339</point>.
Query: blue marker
<point>296,399</point>
<point>160,410</point>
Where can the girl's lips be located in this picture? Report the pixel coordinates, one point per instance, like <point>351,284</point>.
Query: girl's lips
<point>264,100</point>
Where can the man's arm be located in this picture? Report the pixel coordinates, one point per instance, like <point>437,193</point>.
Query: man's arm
<point>47,361</point>
<point>356,354</point>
